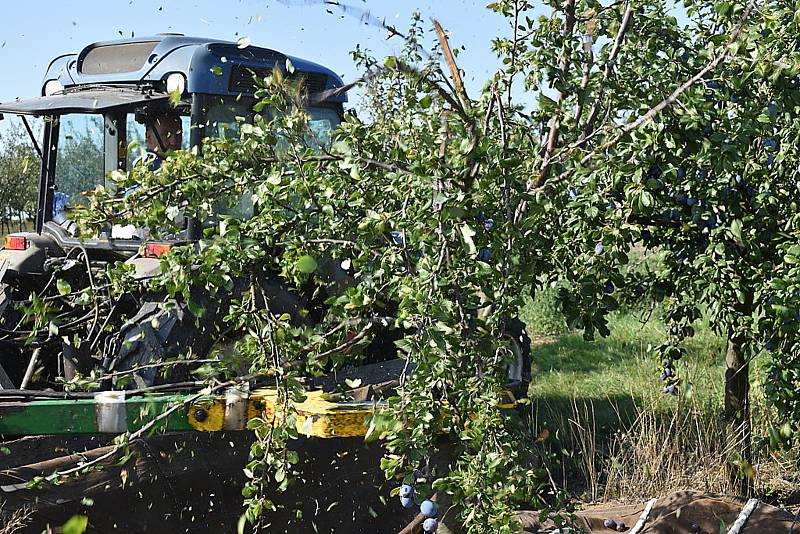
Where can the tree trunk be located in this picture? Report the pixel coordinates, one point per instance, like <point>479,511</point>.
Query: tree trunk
<point>737,411</point>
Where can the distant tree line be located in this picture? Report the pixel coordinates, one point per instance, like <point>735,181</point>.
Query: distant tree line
<point>19,176</point>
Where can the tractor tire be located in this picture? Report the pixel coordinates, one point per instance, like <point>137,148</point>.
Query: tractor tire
<point>164,330</point>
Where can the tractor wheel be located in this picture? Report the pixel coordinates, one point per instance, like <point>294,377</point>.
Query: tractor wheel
<point>165,330</point>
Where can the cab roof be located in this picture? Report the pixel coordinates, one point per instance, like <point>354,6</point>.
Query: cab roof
<point>210,66</point>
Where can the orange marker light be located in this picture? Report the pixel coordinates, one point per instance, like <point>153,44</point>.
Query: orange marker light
<point>15,242</point>
<point>155,250</point>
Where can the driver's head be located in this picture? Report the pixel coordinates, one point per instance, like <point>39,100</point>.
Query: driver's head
<point>164,133</point>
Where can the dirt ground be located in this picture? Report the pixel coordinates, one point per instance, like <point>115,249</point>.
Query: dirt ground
<point>680,513</point>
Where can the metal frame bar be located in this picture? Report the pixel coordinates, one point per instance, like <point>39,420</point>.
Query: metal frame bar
<point>44,208</point>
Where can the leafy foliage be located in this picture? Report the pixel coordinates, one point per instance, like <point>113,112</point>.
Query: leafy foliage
<point>18,178</point>
<point>435,215</point>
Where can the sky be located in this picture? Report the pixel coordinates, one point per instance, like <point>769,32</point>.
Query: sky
<point>34,34</point>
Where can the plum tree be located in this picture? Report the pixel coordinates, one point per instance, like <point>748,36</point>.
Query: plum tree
<point>644,132</point>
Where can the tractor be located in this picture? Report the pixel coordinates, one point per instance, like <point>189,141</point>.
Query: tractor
<point>103,109</point>
<point>107,109</point>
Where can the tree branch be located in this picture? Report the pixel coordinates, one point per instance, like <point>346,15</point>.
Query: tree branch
<point>564,63</point>
<point>609,66</point>
<point>667,102</point>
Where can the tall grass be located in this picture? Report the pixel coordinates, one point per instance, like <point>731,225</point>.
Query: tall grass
<point>612,434</point>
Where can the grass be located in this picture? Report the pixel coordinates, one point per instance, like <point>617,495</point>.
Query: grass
<point>620,371</point>
<point>613,434</point>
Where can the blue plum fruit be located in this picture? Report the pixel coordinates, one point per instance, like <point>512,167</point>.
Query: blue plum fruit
<point>429,508</point>
<point>407,502</point>
<point>430,525</point>
<point>599,248</point>
<point>609,523</point>
<point>406,491</point>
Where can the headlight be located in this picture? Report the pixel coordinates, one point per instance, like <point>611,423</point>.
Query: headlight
<point>176,82</point>
<point>52,86</point>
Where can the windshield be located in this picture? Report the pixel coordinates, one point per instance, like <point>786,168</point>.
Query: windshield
<point>225,115</point>
<point>79,160</point>
<point>221,117</point>
<point>151,134</point>
<point>173,134</point>
<point>322,123</point>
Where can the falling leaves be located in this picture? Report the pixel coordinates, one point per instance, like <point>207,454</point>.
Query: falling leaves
<point>175,96</point>
<point>75,525</point>
<point>243,42</point>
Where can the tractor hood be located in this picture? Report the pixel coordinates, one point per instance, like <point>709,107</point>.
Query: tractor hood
<point>94,100</point>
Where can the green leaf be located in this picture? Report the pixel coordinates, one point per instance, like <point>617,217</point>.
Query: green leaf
<point>63,287</point>
<point>467,233</point>
<point>306,264</point>
<point>546,103</point>
<point>75,525</point>
<point>175,98</point>
<point>736,229</point>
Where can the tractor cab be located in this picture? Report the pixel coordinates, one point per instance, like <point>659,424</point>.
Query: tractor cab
<point>113,106</point>
<point>123,103</point>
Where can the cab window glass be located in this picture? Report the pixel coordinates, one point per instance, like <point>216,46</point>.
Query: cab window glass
<point>79,159</point>
<point>137,140</point>
<point>322,123</point>
<point>221,117</point>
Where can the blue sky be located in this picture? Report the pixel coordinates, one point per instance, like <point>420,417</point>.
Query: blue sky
<point>34,33</point>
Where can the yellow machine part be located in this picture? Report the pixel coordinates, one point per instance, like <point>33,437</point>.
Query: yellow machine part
<point>316,417</point>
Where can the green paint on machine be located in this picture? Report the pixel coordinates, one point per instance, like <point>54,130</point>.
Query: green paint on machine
<point>79,416</point>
